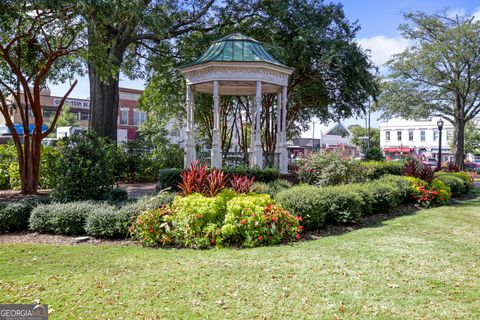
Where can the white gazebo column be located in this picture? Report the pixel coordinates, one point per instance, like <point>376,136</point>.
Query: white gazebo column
<point>278,142</point>
<point>258,151</point>
<point>252,131</point>
<point>216,149</point>
<point>284,152</point>
<point>190,153</point>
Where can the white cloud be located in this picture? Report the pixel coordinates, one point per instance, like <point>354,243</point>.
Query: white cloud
<point>382,48</point>
<point>453,13</point>
<point>476,15</point>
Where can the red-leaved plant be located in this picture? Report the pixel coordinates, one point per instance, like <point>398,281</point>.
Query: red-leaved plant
<point>242,184</point>
<point>215,182</point>
<point>193,179</point>
<point>197,179</point>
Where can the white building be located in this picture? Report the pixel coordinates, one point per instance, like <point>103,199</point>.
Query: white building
<point>419,137</point>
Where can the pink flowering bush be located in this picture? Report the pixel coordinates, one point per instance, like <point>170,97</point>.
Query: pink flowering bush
<point>331,168</point>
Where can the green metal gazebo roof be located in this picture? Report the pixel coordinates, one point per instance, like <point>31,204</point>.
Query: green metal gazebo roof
<point>236,48</point>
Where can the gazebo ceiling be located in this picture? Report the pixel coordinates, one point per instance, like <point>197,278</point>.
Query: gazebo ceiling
<point>237,62</point>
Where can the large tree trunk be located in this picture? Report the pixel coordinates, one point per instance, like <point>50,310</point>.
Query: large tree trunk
<point>103,104</point>
<point>29,166</point>
<point>459,139</point>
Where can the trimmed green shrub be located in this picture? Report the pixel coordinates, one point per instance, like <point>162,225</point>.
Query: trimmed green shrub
<point>65,218</point>
<point>386,196</point>
<point>402,185</point>
<point>85,171</point>
<point>467,180</point>
<point>366,194</point>
<point>304,201</point>
<point>377,169</point>
<point>14,214</point>
<point>456,184</point>
<point>271,188</point>
<point>118,195</point>
<point>169,178</point>
<point>341,204</point>
<point>108,223</point>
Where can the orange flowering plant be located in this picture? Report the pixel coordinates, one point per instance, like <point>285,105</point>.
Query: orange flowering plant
<point>153,227</point>
<point>425,195</point>
<point>254,220</point>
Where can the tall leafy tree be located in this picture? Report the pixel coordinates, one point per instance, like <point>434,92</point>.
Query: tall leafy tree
<point>439,74</point>
<point>38,43</point>
<point>122,33</point>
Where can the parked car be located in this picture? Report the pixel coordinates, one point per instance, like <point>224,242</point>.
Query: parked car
<point>469,165</point>
<point>432,162</point>
<point>52,142</point>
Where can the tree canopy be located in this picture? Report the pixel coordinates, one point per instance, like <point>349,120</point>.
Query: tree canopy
<point>332,79</point>
<point>439,74</point>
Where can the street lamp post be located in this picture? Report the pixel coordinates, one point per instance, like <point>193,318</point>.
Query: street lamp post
<point>440,127</point>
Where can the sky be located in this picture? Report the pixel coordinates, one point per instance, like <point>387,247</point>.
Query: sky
<point>379,21</point>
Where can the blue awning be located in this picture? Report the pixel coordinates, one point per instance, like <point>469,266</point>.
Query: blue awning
<point>4,130</point>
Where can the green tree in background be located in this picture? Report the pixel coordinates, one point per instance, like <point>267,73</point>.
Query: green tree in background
<point>438,74</point>
<point>67,118</point>
<point>360,134</point>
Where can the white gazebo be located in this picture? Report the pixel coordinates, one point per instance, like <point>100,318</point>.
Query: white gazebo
<point>237,65</point>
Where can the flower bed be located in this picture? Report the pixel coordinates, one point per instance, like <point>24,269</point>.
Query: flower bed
<point>215,210</point>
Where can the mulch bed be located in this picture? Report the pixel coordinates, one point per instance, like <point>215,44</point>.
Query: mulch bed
<point>33,237</point>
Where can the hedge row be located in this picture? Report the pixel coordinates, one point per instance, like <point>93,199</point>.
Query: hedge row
<point>459,182</point>
<point>14,214</point>
<point>170,178</point>
<point>376,169</point>
<point>344,204</point>
<point>98,219</point>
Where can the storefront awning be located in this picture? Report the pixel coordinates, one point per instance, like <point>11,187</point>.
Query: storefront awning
<point>398,149</point>
<point>4,130</point>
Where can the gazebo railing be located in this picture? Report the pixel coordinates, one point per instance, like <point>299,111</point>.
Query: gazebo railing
<point>271,159</point>
<point>235,159</point>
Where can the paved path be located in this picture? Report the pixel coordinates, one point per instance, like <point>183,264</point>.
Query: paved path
<point>136,190</point>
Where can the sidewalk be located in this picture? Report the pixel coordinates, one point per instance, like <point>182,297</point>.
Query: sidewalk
<point>136,190</point>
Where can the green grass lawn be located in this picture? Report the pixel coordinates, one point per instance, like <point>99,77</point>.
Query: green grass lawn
<point>420,266</point>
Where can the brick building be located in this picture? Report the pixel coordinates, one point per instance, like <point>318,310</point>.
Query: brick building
<point>129,116</point>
